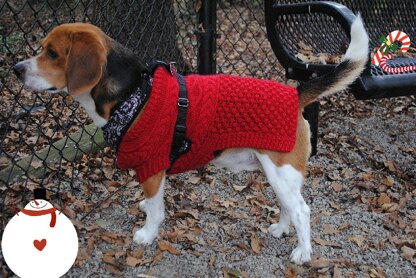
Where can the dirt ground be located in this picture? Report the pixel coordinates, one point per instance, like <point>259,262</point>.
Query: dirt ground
<point>360,188</point>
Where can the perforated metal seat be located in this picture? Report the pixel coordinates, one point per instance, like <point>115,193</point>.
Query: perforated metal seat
<point>325,26</point>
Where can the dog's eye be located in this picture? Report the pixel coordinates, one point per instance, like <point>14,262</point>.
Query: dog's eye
<point>51,54</point>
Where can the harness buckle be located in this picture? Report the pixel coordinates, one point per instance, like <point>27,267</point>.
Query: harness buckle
<point>172,68</point>
<point>183,102</point>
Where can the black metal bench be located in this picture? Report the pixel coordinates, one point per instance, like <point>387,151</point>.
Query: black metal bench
<point>325,26</point>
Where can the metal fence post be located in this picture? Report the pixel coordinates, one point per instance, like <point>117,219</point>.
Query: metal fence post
<point>207,37</point>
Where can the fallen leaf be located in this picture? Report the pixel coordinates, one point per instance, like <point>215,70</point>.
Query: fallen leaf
<point>390,207</point>
<point>389,181</point>
<point>90,245</point>
<point>239,188</point>
<point>407,252</point>
<point>315,182</point>
<point>112,237</point>
<point>166,246</point>
<point>36,164</point>
<point>326,243</point>
<point>242,246</point>
<point>198,5</point>
<point>383,199</point>
<point>337,272</point>
<point>336,186</point>
<point>293,271</point>
<point>193,212</point>
<point>381,273</point>
<point>82,257</point>
<point>290,272</point>
<point>134,261</point>
<point>69,212</point>
<point>316,219</point>
<point>320,263</point>
<point>81,205</point>
<point>244,274</point>
<point>390,165</point>
<point>358,240</point>
<point>175,234</point>
<point>194,179</point>
<point>334,205</point>
<point>345,226</point>
<point>366,176</point>
<point>108,171</point>
<point>212,260</point>
<point>113,270</point>
<point>158,257</point>
<point>230,272</point>
<point>138,254</point>
<point>4,161</point>
<point>303,47</point>
<point>255,244</point>
<point>334,177</point>
<point>330,231</point>
<point>133,210</point>
<point>109,258</point>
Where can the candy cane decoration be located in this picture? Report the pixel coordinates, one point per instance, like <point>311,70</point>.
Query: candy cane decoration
<point>380,58</point>
<point>386,68</point>
<point>391,38</point>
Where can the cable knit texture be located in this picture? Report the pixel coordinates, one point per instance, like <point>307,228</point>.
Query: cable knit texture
<point>224,112</point>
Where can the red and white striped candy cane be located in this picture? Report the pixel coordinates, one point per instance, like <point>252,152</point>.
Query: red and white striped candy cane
<point>386,68</point>
<point>393,37</point>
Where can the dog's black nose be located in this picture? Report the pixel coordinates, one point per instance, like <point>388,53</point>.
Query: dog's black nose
<point>19,69</point>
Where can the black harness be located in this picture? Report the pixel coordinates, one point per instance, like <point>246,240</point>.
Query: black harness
<point>123,115</point>
<point>180,143</point>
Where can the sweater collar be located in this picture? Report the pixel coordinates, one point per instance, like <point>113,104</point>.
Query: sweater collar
<point>124,114</point>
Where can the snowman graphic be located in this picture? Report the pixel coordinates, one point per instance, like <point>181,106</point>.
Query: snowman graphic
<point>39,241</point>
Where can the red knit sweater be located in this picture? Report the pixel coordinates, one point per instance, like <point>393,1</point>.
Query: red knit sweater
<point>224,112</point>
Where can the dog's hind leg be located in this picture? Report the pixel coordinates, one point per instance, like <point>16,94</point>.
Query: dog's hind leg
<point>154,207</point>
<point>277,230</point>
<point>287,182</point>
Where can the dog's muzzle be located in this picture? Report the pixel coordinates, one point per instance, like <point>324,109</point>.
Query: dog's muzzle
<point>20,70</point>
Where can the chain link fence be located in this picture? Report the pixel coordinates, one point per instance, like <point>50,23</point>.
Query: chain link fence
<point>48,140</point>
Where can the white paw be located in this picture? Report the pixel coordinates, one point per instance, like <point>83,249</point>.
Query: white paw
<point>142,205</point>
<point>301,255</point>
<point>143,236</point>
<point>277,230</point>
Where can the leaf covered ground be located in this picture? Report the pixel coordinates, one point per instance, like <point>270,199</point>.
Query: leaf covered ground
<point>360,188</point>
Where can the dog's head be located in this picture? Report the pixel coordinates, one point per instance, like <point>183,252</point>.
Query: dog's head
<point>82,60</point>
<point>72,59</point>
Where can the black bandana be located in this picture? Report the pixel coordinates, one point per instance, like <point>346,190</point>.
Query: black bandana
<point>124,115</point>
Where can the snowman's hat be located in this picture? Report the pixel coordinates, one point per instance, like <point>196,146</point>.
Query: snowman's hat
<point>39,193</point>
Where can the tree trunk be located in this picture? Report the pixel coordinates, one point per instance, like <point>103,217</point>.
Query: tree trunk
<point>147,27</point>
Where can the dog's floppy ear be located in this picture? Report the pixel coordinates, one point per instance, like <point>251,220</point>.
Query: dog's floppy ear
<point>85,62</point>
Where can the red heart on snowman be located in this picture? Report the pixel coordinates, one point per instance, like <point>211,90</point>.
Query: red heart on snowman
<point>39,244</point>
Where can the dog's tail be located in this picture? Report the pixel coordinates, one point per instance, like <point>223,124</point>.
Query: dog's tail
<point>342,75</point>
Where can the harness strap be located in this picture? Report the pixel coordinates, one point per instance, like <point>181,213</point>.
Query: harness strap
<point>180,143</point>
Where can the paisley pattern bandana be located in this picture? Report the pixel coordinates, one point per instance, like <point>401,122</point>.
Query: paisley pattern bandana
<point>124,115</point>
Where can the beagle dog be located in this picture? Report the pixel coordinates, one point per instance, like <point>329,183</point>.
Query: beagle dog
<point>101,74</point>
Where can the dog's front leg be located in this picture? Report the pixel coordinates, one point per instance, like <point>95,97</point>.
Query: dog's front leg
<point>154,207</point>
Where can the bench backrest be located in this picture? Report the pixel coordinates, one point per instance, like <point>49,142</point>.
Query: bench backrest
<point>326,35</point>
